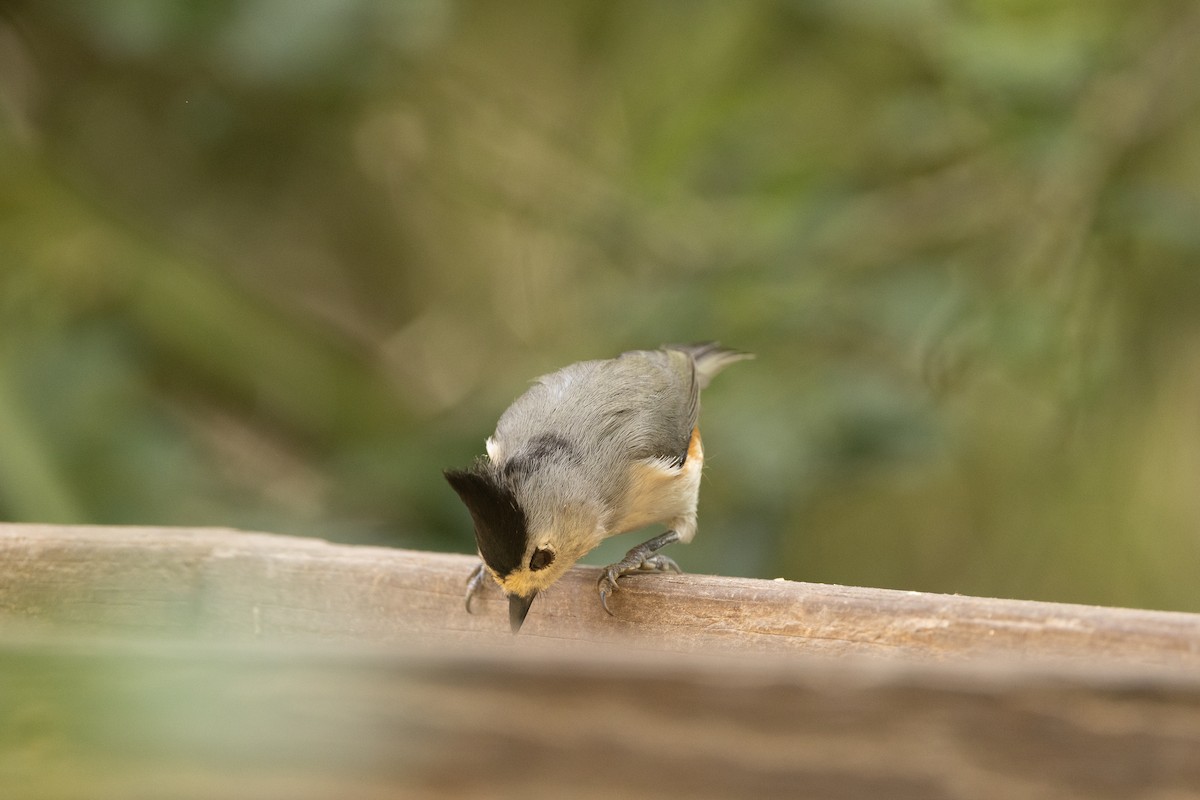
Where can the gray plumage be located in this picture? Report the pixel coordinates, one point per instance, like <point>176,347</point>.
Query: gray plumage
<point>596,417</point>
<point>583,454</point>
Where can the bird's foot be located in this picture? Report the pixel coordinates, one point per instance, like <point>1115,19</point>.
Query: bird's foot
<point>642,558</point>
<point>475,583</point>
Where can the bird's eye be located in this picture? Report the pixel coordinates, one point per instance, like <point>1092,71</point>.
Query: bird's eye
<point>541,558</point>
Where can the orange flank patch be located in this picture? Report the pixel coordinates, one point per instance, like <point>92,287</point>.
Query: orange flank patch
<point>660,493</point>
<point>694,448</point>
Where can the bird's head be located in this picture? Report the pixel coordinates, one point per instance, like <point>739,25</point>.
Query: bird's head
<point>527,538</point>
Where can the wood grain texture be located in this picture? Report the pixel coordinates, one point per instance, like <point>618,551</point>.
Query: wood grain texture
<point>233,586</point>
<point>146,663</point>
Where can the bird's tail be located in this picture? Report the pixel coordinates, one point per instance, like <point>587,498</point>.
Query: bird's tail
<point>710,358</point>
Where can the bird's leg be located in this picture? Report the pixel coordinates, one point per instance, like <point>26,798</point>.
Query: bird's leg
<point>643,558</point>
<point>475,583</point>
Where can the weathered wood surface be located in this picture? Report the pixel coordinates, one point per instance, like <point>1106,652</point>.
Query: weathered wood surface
<point>233,586</point>
<point>265,721</point>
<point>147,663</point>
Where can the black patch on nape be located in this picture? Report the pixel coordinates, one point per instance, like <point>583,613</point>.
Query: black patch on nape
<point>541,558</point>
<point>539,450</point>
<point>499,521</point>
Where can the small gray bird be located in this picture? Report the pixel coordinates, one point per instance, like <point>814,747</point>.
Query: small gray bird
<point>593,450</point>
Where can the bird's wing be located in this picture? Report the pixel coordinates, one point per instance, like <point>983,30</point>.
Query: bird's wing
<point>656,404</point>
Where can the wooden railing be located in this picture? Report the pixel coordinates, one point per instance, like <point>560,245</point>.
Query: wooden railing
<point>146,662</point>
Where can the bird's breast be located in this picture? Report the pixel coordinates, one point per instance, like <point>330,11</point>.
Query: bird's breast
<point>660,491</point>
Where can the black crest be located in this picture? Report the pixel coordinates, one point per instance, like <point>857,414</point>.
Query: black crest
<point>499,520</point>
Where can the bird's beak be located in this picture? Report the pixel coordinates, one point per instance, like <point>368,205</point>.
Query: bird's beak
<point>518,607</point>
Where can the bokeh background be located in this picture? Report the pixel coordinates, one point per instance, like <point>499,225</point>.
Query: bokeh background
<point>275,263</point>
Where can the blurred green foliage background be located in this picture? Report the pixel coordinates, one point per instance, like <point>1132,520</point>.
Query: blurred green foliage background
<point>274,264</point>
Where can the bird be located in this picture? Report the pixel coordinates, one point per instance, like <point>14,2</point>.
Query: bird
<point>593,450</point>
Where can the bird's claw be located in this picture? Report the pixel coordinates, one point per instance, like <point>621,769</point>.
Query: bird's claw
<point>474,584</point>
<point>659,563</point>
<point>607,584</point>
